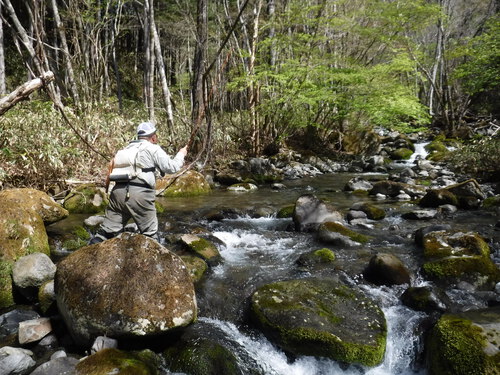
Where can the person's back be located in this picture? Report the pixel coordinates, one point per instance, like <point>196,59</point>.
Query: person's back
<point>134,173</point>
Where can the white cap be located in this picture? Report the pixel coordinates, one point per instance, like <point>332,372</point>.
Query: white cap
<point>145,129</point>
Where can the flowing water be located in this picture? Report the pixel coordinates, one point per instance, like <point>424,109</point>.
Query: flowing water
<point>260,249</point>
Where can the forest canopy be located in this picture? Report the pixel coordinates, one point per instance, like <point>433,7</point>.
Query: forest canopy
<point>240,75</point>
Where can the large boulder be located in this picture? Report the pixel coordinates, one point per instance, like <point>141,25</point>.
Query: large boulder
<point>22,232</point>
<point>86,199</point>
<point>465,343</point>
<point>36,200</point>
<point>387,269</point>
<point>467,194</point>
<point>129,286</point>
<point>190,183</point>
<point>322,318</point>
<point>310,212</point>
<point>458,255</point>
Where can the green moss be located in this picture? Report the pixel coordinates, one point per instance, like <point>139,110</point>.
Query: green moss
<point>82,200</point>
<point>285,212</point>
<point>196,266</point>
<point>457,266</point>
<point>159,208</point>
<point>80,238</point>
<point>360,193</point>
<point>456,347</point>
<point>401,154</point>
<point>6,297</point>
<point>339,228</point>
<point>491,202</point>
<point>325,255</point>
<point>373,212</point>
<point>114,361</point>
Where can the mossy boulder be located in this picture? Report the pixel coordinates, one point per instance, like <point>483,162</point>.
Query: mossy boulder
<point>196,266</point>
<point>337,234</point>
<point>401,154</point>
<point>310,212</point>
<point>322,318</point>
<point>285,212</point>
<point>86,199</point>
<point>201,356</point>
<point>437,150</point>
<point>203,248</point>
<point>36,200</point>
<point>491,202</point>
<point>372,212</point>
<point>317,258</point>
<point>188,184</point>
<point>386,269</point>
<point>425,298</point>
<point>467,194</point>
<point>394,188</point>
<point>127,287</point>
<point>118,362</point>
<point>453,255</point>
<point>22,232</point>
<point>465,343</point>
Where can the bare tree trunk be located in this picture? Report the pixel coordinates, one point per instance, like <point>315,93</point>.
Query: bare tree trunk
<point>149,67</point>
<point>23,91</point>
<point>254,88</point>
<point>3,88</point>
<point>199,64</point>
<point>65,50</point>
<point>161,67</point>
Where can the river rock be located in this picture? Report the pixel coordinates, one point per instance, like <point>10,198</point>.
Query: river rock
<point>310,212</point>
<point>421,232</point>
<point>9,322</point>
<point>358,183</point>
<point>425,299</point>
<point>466,195</point>
<point>34,330</point>
<point>190,183</point>
<point>372,212</point>
<point>394,188</point>
<point>203,248</point>
<point>15,361</point>
<point>129,286</point>
<point>339,235</point>
<point>420,215</point>
<point>317,258</point>
<point>455,255</point>
<point>86,199</point>
<point>30,272</point>
<point>22,232</point>
<point>386,269</point>
<point>114,361</point>
<point>60,366</point>
<point>35,200</point>
<point>465,343</point>
<point>322,318</point>
<point>242,187</point>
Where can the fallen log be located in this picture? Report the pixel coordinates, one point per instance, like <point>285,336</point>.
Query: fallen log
<point>23,91</point>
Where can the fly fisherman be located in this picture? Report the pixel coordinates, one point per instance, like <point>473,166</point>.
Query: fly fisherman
<point>133,196</point>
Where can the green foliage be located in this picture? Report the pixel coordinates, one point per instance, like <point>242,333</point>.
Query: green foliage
<point>479,158</point>
<point>481,71</point>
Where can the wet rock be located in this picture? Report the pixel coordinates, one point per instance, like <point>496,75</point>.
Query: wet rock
<point>386,269</point>
<point>197,353</point>
<point>310,212</point>
<point>337,234</point>
<point>242,187</point>
<point>203,248</point>
<point>86,199</point>
<point>103,342</point>
<point>355,215</point>
<point>22,232</point>
<point>9,322</point>
<point>60,366</point>
<point>322,318</point>
<point>188,184</point>
<point>15,361</point>
<point>394,188</point>
<point>30,272</point>
<point>420,215</point>
<point>425,299</point>
<point>421,232</point>
<point>447,209</point>
<point>466,195</point>
<point>34,330</point>
<point>115,361</point>
<point>457,255</point>
<point>321,257</point>
<point>196,266</point>
<point>465,343</point>
<point>372,212</point>
<point>129,286</point>
<point>358,183</point>
<point>35,200</point>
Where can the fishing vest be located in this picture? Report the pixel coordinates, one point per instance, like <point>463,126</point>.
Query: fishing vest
<point>126,165</point>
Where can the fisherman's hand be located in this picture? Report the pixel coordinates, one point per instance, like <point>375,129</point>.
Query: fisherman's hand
<point>184,150</point>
